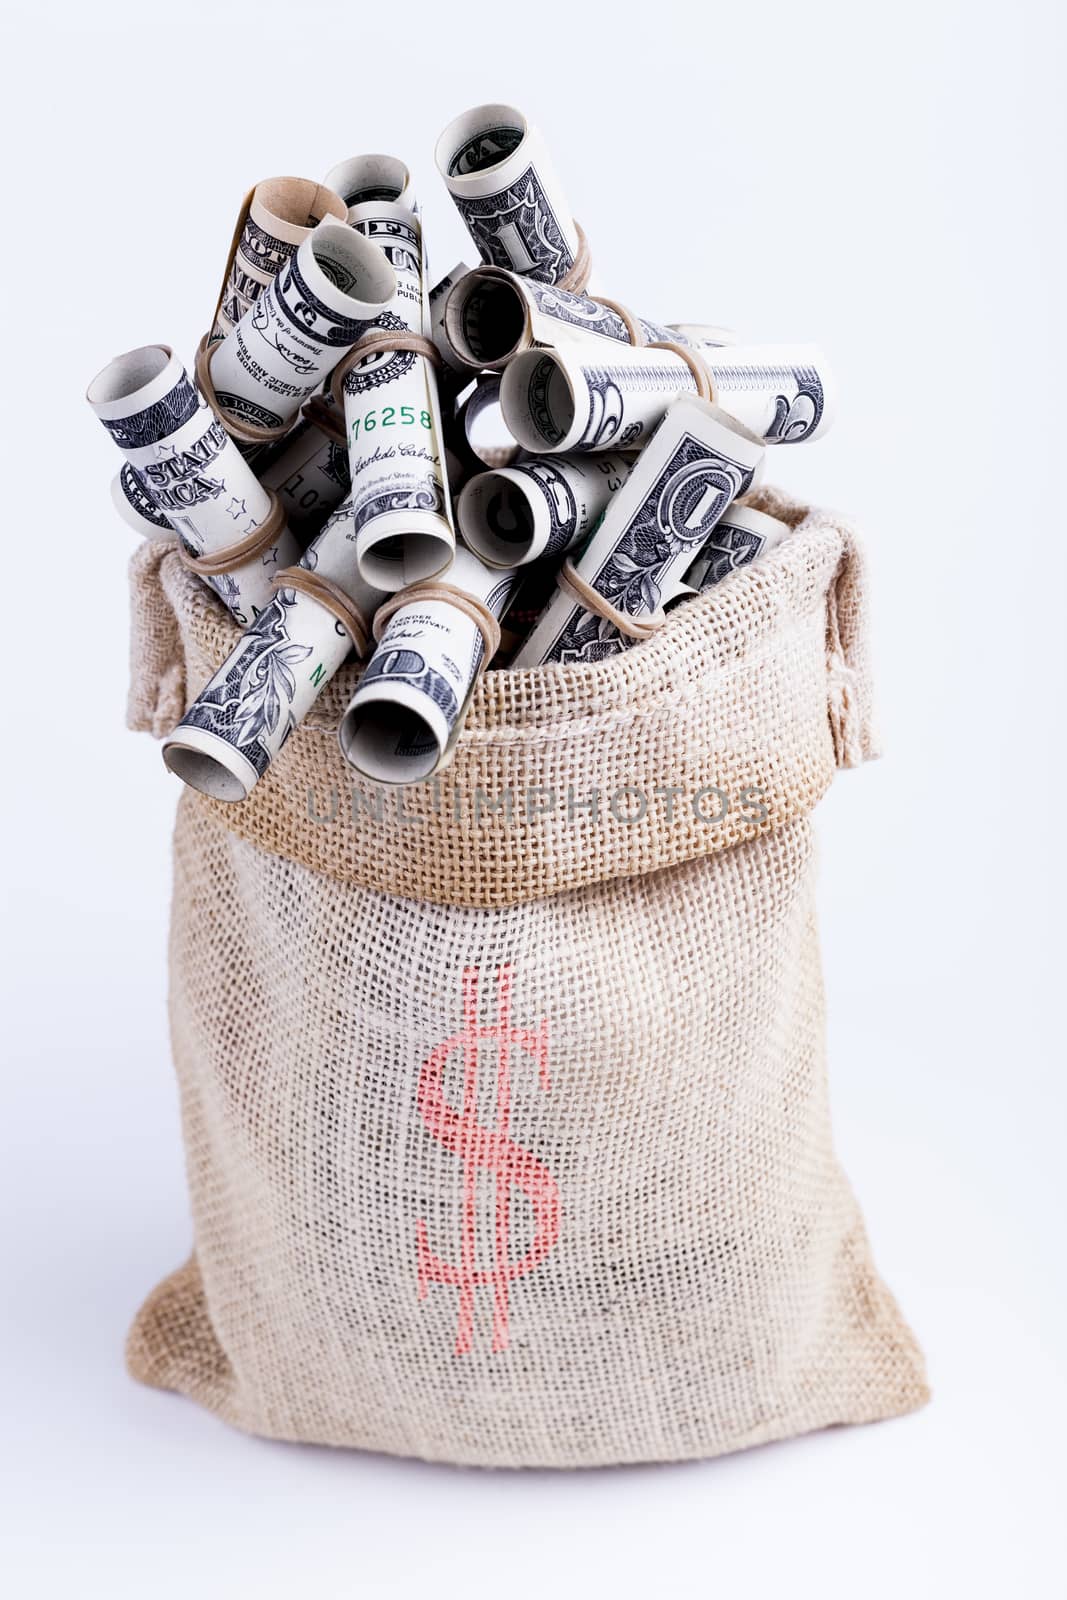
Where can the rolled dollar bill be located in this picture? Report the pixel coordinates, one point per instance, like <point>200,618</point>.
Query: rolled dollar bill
<point>308,470</point>
<point>784,393</point>
<point>281,213</point>
<point>309,467</point>
<point>539,507</point>
<point>268,683</point>
<point>492,316</point>
<point>571,399</point>
<point>393,422</point>
<point>409,705</point>
<point>191,468</point>
<point>323,298</point>
<point>134,504</point>
<point>696,463</point>
<point>364,178</point>
<point>741,534</point>
<point>498,172</point>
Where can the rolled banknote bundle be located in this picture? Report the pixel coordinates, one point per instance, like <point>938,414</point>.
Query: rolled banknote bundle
<point>499,174</point>
<point>540,507</point>
<point>308,470</point>
<point>364,178</point>
<point>393,418</point>
<point>194,474</point>
<point>309,467</point>
<point>410,702</point>
<point>291,339</point>
<point>134,504</point>
<point>572,398</point>
<point>239,722</point>
<point>492,316</point>
<point>343,403</point>
<point>741,534</point>
<point>276,219</point>
<point>697,462</point>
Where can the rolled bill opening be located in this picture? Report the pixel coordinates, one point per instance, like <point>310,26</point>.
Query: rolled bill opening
<point>389,741</point>
<point>129,373</point>
<point>486,318</point>
<point>376,177</point>
<point>538,400</point>
<point>352,265</point>
<point>207,763</point>
<point>504,517</point>
<point>403,558</point>
<point>478,140</point>
<point>300,202</point>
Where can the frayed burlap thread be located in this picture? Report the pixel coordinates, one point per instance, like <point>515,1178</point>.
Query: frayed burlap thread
<point>535,1169</point>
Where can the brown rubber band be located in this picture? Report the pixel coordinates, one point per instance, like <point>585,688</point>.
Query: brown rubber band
<point>244,431</point>
<point>635,332</point>
<point>332,598</point>
<point>215,563</point>
<point>577,274</point>
<point>239,228</point>
<point>571,582</point>
<point>420,593</point>
<point>696,364</point>
<point>242,218</point>
<point>326,419</point>
<point>380,339</point>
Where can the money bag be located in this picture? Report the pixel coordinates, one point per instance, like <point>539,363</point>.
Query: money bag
<point>504,1094</point>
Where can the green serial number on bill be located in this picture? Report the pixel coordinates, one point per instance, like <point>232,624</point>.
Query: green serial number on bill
<point>390,417</point>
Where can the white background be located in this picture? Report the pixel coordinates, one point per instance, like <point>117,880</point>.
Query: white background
<point>886,181</point>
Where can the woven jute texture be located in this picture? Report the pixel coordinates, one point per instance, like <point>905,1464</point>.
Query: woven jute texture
<point>507,1137</point>
<point>560,776</point>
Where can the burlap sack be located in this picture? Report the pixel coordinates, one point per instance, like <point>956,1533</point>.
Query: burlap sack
<point>505,1107</point>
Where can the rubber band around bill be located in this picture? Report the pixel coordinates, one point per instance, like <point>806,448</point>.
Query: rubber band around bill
<point>422,593</point>
<point>245,432</point>
<point>216,563</point>
<point>380,339</point>
<point>572,584</point>
<point>332,598</point>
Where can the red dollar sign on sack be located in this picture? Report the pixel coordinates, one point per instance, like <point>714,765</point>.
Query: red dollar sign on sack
<point>491,1148</point>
